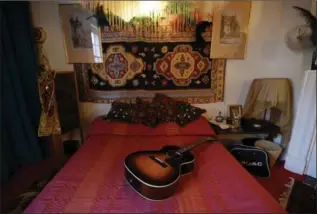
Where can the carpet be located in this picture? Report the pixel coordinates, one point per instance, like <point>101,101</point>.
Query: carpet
<point>298,197</point>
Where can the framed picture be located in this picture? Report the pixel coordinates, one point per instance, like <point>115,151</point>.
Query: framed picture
<point>230,30</point>
<point>235,111</point>
<point>82,40</point>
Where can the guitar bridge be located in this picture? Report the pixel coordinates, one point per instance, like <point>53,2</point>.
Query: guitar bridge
<point>159,161</point>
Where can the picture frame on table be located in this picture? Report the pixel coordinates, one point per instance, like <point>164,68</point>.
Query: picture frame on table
<point>235,111</point>
<point>82,38</point>
<point>230,30</point>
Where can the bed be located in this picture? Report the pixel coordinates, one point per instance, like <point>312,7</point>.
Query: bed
<point>92,181</point>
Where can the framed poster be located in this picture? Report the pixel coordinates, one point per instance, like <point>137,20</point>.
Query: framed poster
<point>230,30</point>
<point>82,40</point>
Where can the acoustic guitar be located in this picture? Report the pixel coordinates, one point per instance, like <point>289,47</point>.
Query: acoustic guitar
<point>155,175</point>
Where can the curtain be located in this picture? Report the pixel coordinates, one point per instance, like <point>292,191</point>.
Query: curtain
<point>152,21</point>
<point>20,104</point>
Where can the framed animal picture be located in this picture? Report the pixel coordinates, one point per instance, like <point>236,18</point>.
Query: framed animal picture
<point>230,30</point>
<point>82,40</point>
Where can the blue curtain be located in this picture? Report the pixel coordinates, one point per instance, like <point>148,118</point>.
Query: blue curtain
<point>20,105</point>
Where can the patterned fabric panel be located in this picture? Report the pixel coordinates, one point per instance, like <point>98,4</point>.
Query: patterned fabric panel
<point>181,70</point>
<point>152,66</point>
<point>199,127</point>
<point>120,112</point>
<point>93,181</point>
<point>187,113</point>
<point>145,113</point>
<point>162,109</point>
<point>171,110</point>
<point>141,112</point>
<point>167,107</point>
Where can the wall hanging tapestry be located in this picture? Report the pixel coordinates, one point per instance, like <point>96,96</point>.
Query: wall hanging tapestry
<point>49,121</point>
<point>159,51</point>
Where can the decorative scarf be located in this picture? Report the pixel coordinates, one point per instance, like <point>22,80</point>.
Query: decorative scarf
<point>49,121</point>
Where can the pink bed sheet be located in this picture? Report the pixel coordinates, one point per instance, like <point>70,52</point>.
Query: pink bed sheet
<point>93,180</point>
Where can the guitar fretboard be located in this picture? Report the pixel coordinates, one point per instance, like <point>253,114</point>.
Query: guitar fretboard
<point>191,146</point>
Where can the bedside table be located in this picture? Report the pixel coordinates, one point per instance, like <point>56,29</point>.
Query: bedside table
<point>228,136</point>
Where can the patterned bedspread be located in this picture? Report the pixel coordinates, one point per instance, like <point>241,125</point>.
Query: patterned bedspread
<point>93,179</point>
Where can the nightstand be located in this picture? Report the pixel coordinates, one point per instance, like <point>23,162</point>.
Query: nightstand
<point>228,136</point>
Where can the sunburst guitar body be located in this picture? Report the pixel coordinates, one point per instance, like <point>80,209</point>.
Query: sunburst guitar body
<point>155,174</point>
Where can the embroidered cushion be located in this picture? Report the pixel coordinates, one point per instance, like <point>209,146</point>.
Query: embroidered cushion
<point>166,107</point>
<point>120,112</point>
<point>187,113</point>
<point>162,109</point>
<point>145,112</point>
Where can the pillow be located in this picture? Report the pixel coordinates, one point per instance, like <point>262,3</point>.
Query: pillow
<point>161,109</point>
<point>145,113</point>
<point>170,110</point>
<point>120,112</point>
<point>199,127</point>
<point>166,107</point>
<point>187,113</point>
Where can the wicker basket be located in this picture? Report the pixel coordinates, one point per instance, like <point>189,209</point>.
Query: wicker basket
<point>271,148</point>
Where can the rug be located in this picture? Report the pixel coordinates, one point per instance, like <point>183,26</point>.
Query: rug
<point>180,70</point>
<point>299,197</point>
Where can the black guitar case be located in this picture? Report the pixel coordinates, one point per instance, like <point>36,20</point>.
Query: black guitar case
<point>253,159</point>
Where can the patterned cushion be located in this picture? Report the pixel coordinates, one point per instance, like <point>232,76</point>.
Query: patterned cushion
<point>120,112</point>
<point>161,109</point>
<point>187,113</point>
<point>145,113</point>
<point>166,107</point>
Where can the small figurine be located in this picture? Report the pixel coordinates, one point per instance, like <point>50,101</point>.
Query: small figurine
<point>219,118</point>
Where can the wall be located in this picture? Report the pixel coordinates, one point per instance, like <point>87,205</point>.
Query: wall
<point>267,54</point>
<point>311,167</point>
<point>45,14</point>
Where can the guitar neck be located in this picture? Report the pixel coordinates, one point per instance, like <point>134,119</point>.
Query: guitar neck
<point>191,146</point>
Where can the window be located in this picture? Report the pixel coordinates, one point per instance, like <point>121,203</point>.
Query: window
<point>96,44</point>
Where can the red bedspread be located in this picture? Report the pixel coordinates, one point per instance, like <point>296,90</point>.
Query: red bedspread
<point>93,179</point>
